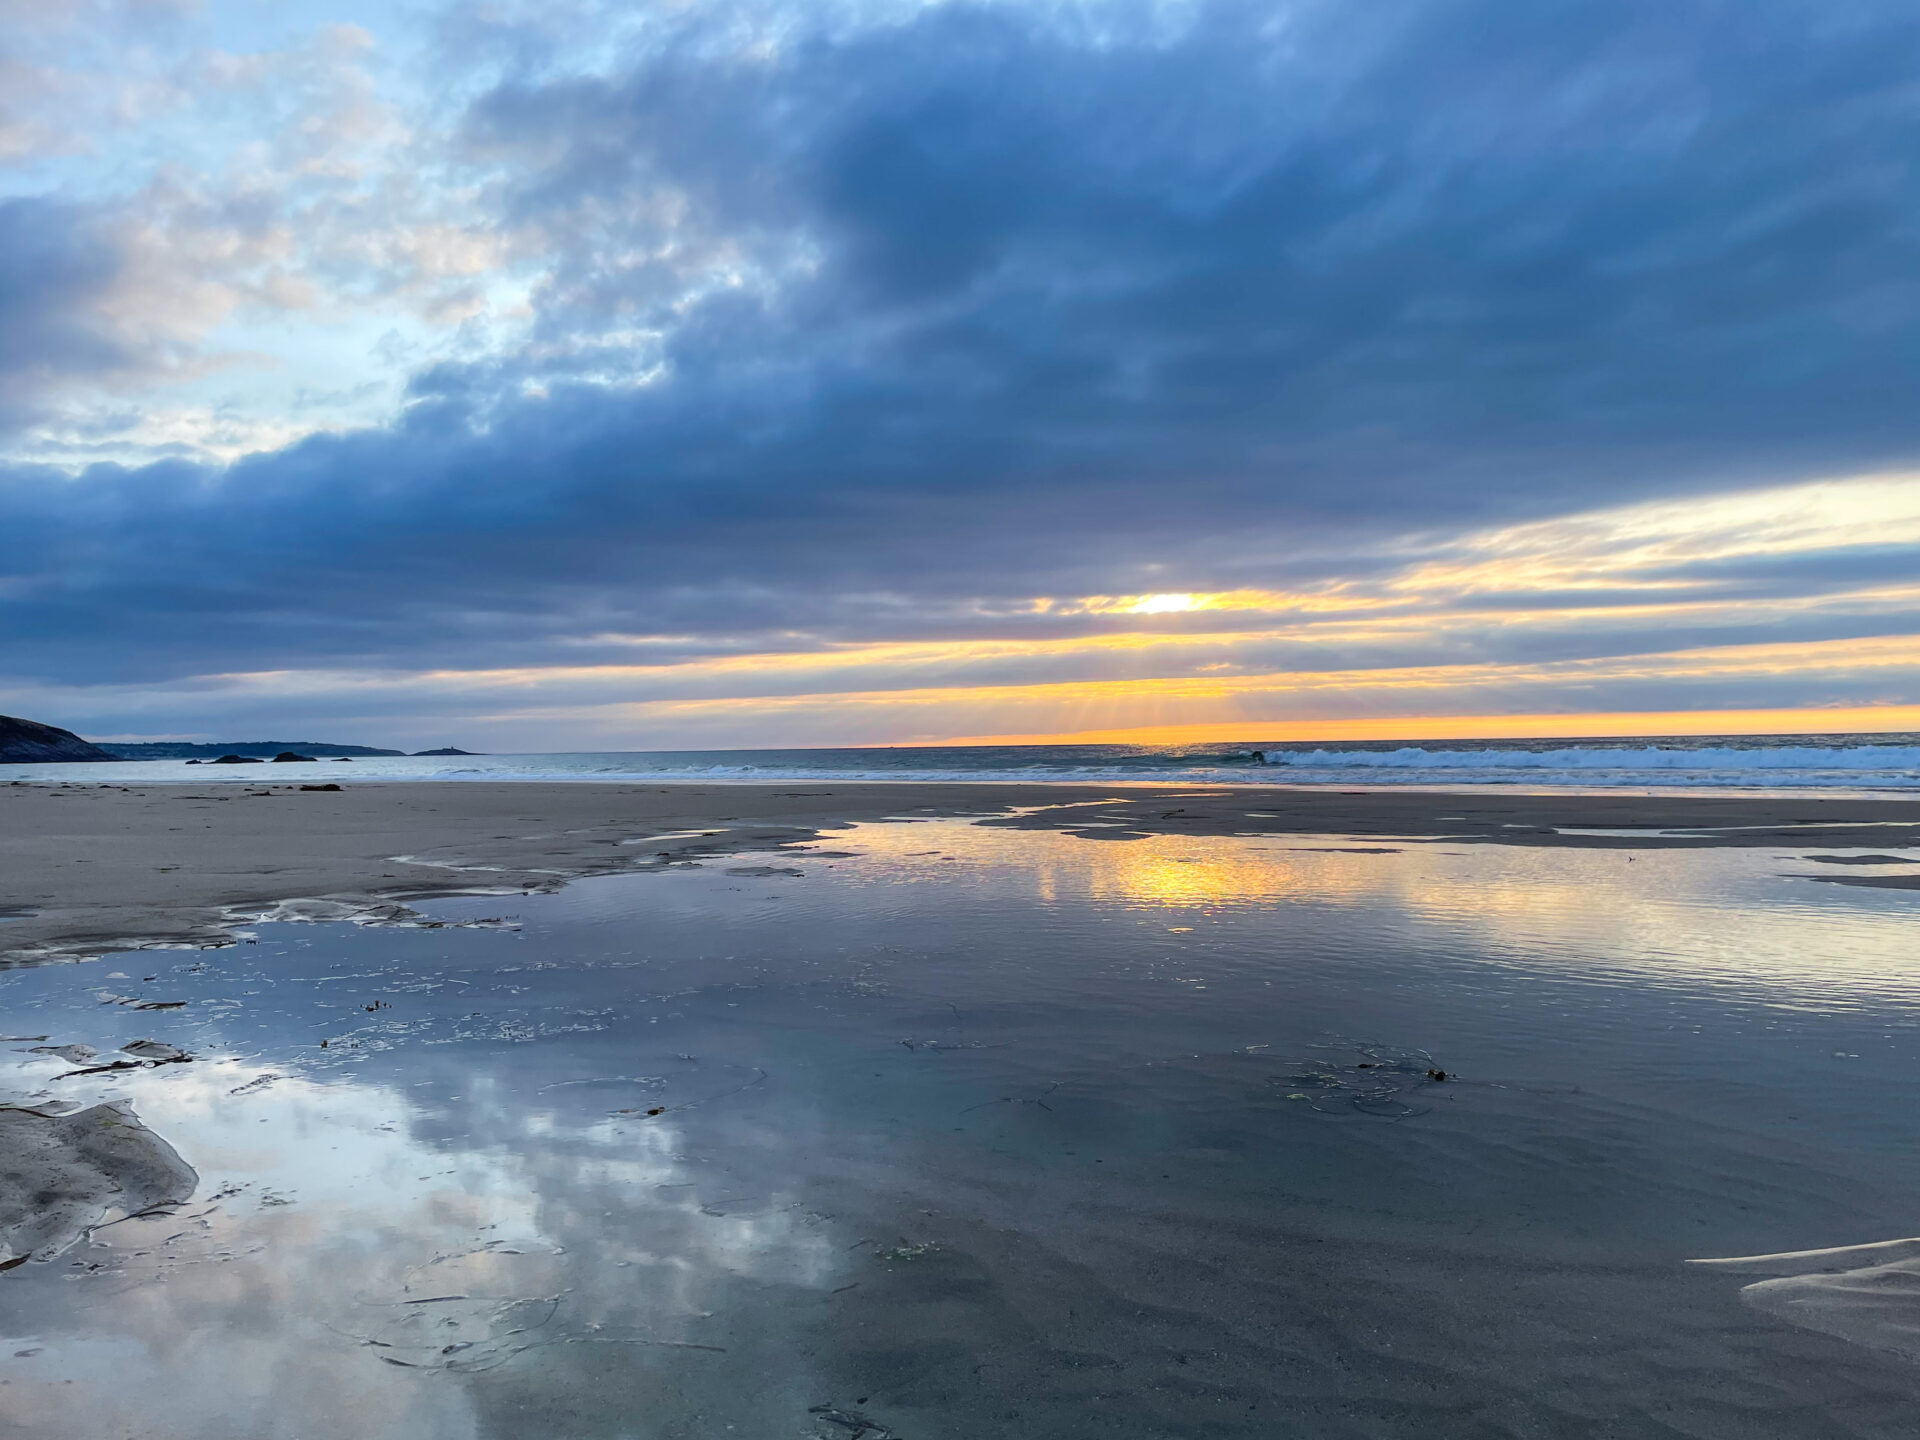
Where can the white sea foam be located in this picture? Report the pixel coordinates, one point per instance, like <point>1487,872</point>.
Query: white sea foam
<point>1735,766</point>
<point>1642,757</point>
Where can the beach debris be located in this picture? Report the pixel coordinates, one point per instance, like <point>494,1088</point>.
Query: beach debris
<point>911,1252</point>
<point>157,1051</point>
<point>51,1108</point>
<point>108,1067</point>
<point>107,997</point>
<point>459,1332</point>
<point>146,1054</point>
<point>334,788</point>
<point>386,914</point>
<point>856,1425</point>
<point>60,1175</point>
<point>258,1083</point>
<point>1376,1086</point>
<point>1341,849</point>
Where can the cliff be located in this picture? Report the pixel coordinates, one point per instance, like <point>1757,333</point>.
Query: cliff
<point>27,742</point>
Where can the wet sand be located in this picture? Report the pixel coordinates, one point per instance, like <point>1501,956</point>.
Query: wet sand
<point>92,868</point>
<point>945,1130</point>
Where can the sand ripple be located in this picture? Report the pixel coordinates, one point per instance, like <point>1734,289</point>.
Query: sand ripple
<point>1869,1294</point>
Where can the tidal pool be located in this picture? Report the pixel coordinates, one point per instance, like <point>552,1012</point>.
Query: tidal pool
<point>944,1130</point>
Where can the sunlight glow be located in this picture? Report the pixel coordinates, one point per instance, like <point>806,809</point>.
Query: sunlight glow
<point>1447,639</point>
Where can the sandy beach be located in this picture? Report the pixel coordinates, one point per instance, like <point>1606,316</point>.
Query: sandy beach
<point>938,1111</point>
<point>94,867</point>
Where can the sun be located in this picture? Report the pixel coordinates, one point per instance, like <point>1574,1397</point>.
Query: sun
<point>1164,604</point>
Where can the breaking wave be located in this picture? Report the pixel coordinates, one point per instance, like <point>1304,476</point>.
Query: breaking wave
<point>1893,764</point>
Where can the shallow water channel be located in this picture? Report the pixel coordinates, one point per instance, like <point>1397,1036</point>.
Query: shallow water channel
<point>943,1130</point>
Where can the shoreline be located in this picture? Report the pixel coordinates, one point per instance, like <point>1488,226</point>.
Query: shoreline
<point>94,868</point>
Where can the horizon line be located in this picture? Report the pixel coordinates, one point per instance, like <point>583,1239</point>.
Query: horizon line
<point>1592,725</point>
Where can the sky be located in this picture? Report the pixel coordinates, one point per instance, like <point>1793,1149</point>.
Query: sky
<point>573,375</point>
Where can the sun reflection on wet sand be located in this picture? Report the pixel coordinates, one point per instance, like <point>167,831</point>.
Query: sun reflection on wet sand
<point>1747,919</point>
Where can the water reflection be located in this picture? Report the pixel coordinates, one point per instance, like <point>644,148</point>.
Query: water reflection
<point>333,1245</point>
<point>966,1130</point>
<point>1760,921</point>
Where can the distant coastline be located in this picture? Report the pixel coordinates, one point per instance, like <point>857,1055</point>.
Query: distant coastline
<point>253,749</point>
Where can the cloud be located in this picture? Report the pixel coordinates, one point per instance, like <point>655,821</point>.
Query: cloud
<point>838,325</point>
<point>56,265</point>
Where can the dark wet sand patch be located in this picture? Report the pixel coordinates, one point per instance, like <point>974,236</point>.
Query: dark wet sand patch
<point>1863,859</point>
<point>62,1174</point>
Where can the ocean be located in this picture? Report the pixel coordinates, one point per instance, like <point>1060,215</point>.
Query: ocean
<point>1717,762</point>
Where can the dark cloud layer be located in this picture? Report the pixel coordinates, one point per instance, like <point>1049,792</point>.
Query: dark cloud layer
<point>53,269</point>
<point>1000,302</point>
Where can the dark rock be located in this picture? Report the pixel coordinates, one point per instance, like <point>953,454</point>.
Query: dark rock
<point>263,749</point>
<point>237,760</point>
<point>319,787</point>
<point>288,757</point>
<point>28,742</point>
<point>448,750</point>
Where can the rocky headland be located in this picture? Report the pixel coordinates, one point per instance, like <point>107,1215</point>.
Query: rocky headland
<point>28,742</point>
